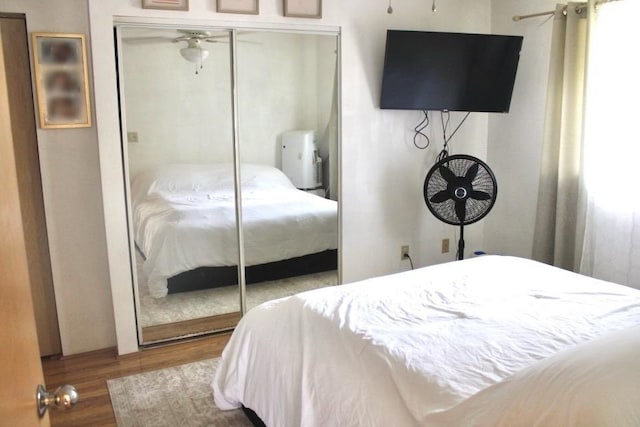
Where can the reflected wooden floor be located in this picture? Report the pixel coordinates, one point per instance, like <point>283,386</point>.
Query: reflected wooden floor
<point>196,326</point>
<point>89,372</point>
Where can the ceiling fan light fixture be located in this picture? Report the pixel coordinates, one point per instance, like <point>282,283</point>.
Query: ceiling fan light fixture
<point>194,54</point>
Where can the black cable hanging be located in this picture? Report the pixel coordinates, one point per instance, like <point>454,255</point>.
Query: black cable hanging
<point>445,124</point>
<point>419,131</point>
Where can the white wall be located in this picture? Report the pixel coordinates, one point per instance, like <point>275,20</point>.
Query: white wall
<point>382,206</point>
<point>73,203</point>
<point>382,172</point>
<point>515,139</point>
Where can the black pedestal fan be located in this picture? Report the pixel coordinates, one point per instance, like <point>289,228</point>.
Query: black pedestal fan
<point>460,190</point>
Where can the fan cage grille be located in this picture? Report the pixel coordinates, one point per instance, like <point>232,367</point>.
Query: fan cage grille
<point>475,209</point>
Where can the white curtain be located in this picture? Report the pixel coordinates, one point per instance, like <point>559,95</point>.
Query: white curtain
<point>328,147</point>
<point>612,144</point>
<point>558,229</point>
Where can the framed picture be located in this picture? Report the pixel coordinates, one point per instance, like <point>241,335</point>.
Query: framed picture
<point>249,7</point>
<point>166,4</point>
<point>303,8</point>
<point>62,84</point>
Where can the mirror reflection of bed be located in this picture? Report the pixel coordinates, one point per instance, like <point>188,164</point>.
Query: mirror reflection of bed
<point>180,166</point>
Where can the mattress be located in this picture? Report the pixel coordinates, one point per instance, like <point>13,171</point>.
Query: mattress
<point>184,218</point>
<point>401,349</point>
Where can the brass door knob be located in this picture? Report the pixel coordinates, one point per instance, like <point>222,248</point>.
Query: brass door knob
<point>64,397</point>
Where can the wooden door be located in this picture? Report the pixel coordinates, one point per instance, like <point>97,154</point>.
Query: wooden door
<point>25,144</point>
<point>20,368</point>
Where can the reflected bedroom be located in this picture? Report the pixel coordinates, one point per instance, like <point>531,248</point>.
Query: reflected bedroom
<point>233,190</point>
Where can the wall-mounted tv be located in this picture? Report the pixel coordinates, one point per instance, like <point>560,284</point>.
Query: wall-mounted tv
<point>449,71</point>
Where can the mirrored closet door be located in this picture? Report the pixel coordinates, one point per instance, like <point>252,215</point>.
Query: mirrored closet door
<point>289,213</point>
<point>195,165</point>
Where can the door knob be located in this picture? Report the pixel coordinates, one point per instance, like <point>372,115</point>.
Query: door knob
<point>64,397</point>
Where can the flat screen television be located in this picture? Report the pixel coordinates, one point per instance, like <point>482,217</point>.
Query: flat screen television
<point>449,71</point>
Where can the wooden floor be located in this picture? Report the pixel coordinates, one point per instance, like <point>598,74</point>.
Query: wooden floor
<point>89,373</point>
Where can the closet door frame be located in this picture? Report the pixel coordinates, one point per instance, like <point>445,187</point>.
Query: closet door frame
<point>126,324</point>
<point>242,284</point>
<point>126,176</point>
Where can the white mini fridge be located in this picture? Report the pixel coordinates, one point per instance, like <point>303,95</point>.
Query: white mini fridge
<point>300,159</point>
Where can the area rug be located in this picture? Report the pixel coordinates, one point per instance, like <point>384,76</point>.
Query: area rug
<point>177,396</point>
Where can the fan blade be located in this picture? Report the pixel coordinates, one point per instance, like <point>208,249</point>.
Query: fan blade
<point>182,39</point>
<point>472,172</point>
<point>480,195</point>
<point>146,40</point>
<point>461,210</point>
<point>227,41</point>
<point>440,196</point>
<point>447,174</point>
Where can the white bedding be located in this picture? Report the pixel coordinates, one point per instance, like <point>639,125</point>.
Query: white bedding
<point>395,350</point>
<point>184,218</point>
<point>596,383</point>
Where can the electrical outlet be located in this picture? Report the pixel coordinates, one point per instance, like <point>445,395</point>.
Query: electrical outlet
<point>445,246</point>
<point>404,252</point>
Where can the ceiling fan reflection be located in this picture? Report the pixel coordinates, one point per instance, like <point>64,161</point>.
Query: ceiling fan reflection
<point>194,52</point>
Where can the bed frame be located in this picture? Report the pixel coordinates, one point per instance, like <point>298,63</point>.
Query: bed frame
<point>214,277</point>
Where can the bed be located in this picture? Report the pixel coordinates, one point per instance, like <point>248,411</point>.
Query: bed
<point>477,342</point>
<point>184,221</point>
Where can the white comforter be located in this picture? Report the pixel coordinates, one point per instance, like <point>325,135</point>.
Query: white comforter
<point>184,218</point>
<point>395,350</point>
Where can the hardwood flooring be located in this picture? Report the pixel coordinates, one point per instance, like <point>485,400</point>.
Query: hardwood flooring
<point>89,373</point>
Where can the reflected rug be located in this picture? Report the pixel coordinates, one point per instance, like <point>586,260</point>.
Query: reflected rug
<point>176,396</point>
<point>185,306</point>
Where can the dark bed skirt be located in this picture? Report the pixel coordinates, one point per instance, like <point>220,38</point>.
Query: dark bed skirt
<point>215,277</point>
<point>253,417</point>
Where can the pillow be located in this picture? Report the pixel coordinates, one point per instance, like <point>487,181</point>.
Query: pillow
<point>596,383</point>
<point>203,178</point>
<point>260,177</point>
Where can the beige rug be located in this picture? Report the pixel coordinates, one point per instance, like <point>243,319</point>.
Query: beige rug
<point>210,302</point>
<point>178,396</point>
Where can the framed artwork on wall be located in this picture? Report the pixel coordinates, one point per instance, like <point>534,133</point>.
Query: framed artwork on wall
<point>248,7</point>
<point>62,83</point>
<point>303,8</point>
<point>166,4</point>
